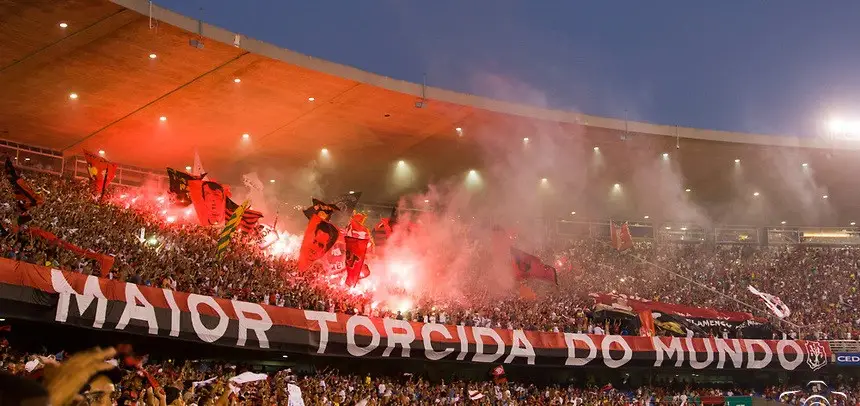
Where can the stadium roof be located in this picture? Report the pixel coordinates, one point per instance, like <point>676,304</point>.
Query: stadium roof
<point>129,64</point>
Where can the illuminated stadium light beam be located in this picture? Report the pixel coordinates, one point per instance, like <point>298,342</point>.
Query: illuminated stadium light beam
<point>162,118</point>
<point>805,165</point>
<point>525,140</point>
<point>844,128</point>
<point>853,223</point>
<point>310,99</point>
<point>647,217</point>
<point>596,149</point>
<point>73,96</point>
<point>64,25</point>
<point>756,194</point>
<point>246,136</point>
<point>688,190</point>
<point>665,155</point>
<point>737,160</point>
<point>153,56</point>
<point>573,213</point>
<point>324,151</point>
<point>237,80</point>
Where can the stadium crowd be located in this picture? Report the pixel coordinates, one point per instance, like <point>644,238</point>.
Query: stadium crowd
<point>104,377</point>
<point>818,284</point>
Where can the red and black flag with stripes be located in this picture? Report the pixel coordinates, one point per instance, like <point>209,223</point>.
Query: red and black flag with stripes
<point>249,219</point>
<point>25,196</point>
<point>101,172</point>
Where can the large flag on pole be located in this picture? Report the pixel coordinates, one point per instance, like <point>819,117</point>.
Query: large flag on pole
<point>178,187</point>
<point>209,199</point>
<point>528,266</point>
<point>229,228</point>
<point>25,197</point>
<point>250,218</point>
<point>622,240</point>
<point>319,238</point>
<point>101,172</point>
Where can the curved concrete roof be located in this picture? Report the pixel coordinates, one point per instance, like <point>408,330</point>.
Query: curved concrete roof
<point>292,105</point>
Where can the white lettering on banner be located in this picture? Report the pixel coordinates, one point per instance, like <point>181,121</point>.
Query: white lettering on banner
<point>351,346</point>
<point>203,332</point>
<point>174,312</point>
<point>92,291</point>
<point>569,339</point>
<point>404,337</point>
<point>709,353</point>
<point>464,343</point>
<point>143,312</point>
<point>517,350</point>
<point>429,352</point>
<point>322,319</point>
<point>259,325</point>
<point>752,362</point>
<point>479,333</point>
<point>780,354</point>
<point>607,356</point>
<point>674,349</point>
<point>734,352</point>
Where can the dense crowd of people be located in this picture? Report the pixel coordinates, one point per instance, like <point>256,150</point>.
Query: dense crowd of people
<point>817,283</point>
<point>109,377</point>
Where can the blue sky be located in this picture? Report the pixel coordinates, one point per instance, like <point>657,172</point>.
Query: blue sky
<point>775,67</point>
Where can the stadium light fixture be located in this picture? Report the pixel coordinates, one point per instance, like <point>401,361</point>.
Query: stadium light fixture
<point>665,155</point>
<point>352,192</point>
<point>271,181</point>
<point>853,223</point>
<point>805,165</point>
<point>683,228</point>
<point>102,152</point>
<point>188,168</point>
<point>825,197</point>
<point>756,194</point>
<point>668,228</point>
<point>153,56</point>
<point>596,149</point>
<point>324,151</point>
<point>246,136</point>
<point>844,128</point>
<point>544,180</point>
<point>162,118</point>
<point>688,190</point>
<point>737,160</point>
<point>782,222</point>
<point>64,25</point>
<point>617,186</point>
<point>401,163</point>
<point>426,200</point>
<point>647,217</point>
<point>573,213</point>
<point>310,99</point>
<point>237,80</point>
<point>525,140</point>
<point>73,96</point>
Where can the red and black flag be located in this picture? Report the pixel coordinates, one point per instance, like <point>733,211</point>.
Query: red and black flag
<point>250,218</point>
<point>209,199</point>
<point>320,207</point>
<point>356,251</point>
<point>319,237</point>
<point>101,172</point>
<point>178,187</point>
<point>383,230</point>
<point>25,197</point>
<point>621,238</point>
<point>528,266</point>
<point>498,374</point>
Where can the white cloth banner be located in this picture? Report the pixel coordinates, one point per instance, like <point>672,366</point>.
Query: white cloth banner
<point>203,383</point>
<point>774,303</point>
<point>246,377</point>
